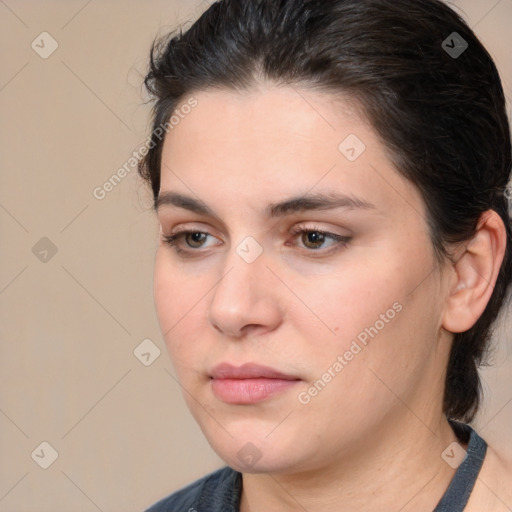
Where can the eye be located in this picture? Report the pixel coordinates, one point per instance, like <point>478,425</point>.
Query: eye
<point>314,238</point>
<point>193,240</point>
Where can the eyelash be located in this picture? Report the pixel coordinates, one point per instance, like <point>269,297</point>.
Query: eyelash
<point>171,240</point>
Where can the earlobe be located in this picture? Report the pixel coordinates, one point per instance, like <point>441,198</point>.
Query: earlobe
<point>476,270</point>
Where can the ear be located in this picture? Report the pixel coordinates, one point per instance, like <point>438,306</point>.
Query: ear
<point>475,274</point>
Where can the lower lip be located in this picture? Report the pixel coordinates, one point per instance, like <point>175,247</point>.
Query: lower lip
<point>249,391</point>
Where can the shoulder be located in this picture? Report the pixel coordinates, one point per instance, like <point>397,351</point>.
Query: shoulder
<point>223,483</point>
<point>493,488</point>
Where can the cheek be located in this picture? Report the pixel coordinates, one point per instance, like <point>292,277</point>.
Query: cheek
<point>344,303</point>
<point>365,310</point>
<point>179,302</point>
<point>176,292</point>
<point>383,331</point>
<point>167,293</point>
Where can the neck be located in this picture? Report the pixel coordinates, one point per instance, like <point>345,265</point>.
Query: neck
<point>398,469</point>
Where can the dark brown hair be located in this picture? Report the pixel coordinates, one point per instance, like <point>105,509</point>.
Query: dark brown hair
<point>439,111</point>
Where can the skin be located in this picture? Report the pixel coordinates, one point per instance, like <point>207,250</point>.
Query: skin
<point>374,435</point>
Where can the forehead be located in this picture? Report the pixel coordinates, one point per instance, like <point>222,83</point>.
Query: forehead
<point>272,142</point>
<point>265,114</point>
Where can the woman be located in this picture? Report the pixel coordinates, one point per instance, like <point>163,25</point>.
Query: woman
<point>335,247</point>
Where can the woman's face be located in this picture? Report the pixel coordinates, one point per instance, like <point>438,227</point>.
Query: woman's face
<point>295,349</point>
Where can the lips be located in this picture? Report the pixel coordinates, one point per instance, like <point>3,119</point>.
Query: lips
<point>249,383</point>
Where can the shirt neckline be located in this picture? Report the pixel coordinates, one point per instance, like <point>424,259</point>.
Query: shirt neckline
<point>457,495</point>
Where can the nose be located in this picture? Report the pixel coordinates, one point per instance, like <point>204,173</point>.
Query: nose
<point>246,298</point>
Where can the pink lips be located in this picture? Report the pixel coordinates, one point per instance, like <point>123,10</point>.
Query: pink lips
<point>249,383</point>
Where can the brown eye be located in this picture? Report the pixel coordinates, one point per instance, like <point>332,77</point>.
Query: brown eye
<point>195,239</point>
<point>318,241</point>
<point>313,239</point>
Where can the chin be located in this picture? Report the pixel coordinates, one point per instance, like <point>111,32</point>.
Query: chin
<point>249,459</point>
<point>249,451</point>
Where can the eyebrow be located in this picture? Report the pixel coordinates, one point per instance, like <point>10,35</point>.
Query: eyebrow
<point>300,203</point>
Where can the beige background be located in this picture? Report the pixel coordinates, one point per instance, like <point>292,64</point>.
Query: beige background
<point>69,326</point>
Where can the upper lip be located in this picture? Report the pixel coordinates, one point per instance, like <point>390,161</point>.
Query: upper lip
<point>248,371</point>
